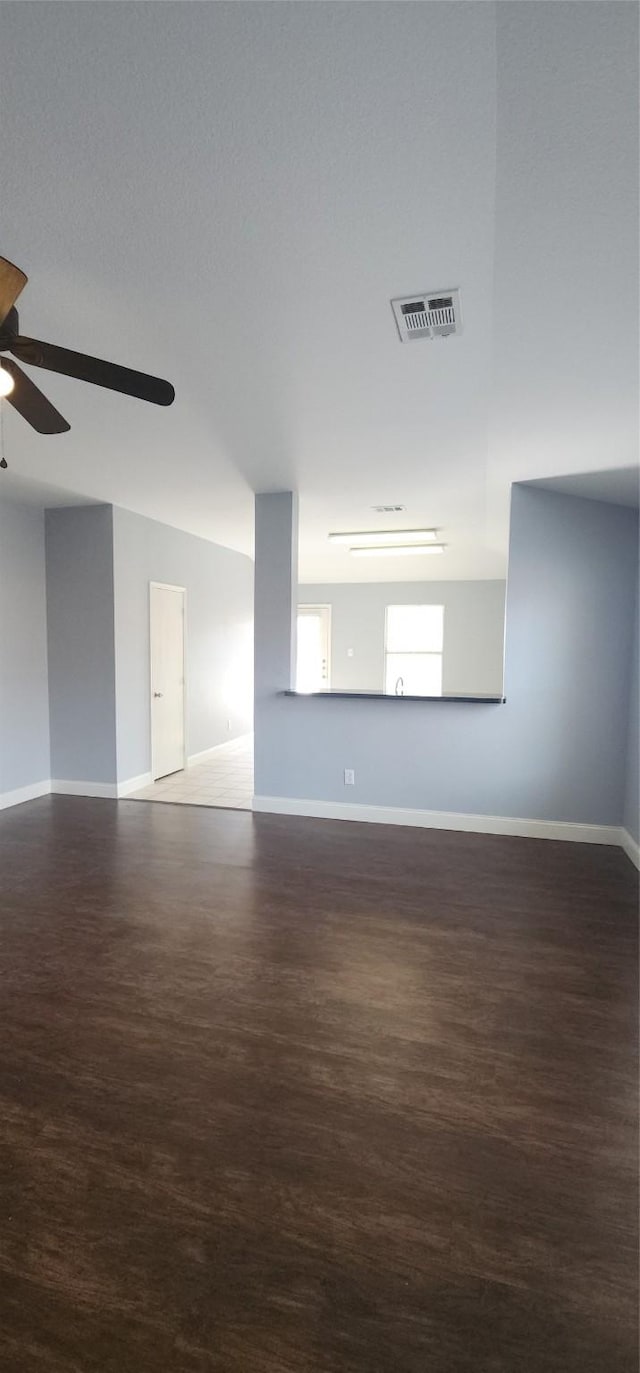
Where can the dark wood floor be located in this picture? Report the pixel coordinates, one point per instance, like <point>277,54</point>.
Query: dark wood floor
<point>291,1096</point>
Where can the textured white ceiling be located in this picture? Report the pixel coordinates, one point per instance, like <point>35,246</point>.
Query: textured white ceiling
<point>20,490</point>
<point>229,195</point>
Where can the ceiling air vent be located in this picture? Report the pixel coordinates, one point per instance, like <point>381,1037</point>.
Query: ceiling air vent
<point>388,509</point>
<point>433,314</point>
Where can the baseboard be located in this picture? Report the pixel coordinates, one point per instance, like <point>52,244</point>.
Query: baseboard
<point>104,790</point>
<point>442,820</point>
<point>30,793</point>
<point>630,846</point>
<point>216,749</point>
<point>343,810</point>
<point>134,784</point>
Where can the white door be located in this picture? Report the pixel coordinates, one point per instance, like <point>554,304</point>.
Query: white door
<point>167,678</point>
<point>314,647</point>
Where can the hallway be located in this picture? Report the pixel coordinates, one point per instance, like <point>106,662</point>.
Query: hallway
<point>224,779</point>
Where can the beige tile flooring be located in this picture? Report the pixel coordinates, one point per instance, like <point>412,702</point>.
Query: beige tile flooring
<point>224,779</point>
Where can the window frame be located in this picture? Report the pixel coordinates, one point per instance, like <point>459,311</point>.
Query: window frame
<point>411,652</point>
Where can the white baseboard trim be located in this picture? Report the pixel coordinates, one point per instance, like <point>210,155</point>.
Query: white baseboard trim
<point>217,748</point>
<point>344,810</point>
<point>630,846</point>
<point>441,820</point>
<point>104,790</point>
<point>134,784</point>
<point>30,793</point>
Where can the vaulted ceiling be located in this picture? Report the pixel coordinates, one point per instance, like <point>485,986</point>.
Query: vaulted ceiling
<point>229,195</point>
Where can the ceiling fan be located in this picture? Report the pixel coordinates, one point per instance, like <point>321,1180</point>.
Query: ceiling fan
<point>22,393</point>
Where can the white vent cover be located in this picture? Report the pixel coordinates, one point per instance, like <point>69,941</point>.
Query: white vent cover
<point>388,509</point>
<point>428,314</point>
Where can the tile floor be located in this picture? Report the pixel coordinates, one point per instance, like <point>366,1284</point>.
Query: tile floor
<point>225,779</point>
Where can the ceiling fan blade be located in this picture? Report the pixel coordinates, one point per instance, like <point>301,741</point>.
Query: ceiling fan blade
<point>12,282</point>
<point>109,374</point>
<point>29,401</point>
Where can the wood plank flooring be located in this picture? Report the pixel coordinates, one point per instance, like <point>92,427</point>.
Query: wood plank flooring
<point>294,1096</point>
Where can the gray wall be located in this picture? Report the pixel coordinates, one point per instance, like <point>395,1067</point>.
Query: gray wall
<point>632,789</point>
<point>473,630</point>
<point>555,751</point>
<point>219,585</point>
<point>24,705</point>
<point>275,600</point>
<point>79,544</point>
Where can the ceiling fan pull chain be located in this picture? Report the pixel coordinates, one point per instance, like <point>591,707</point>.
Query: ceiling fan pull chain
<point>3,460</point>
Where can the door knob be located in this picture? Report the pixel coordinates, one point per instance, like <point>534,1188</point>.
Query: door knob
<point>157,693</point>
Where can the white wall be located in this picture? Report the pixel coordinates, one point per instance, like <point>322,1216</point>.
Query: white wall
<point>219,585</point>
<point>24,706</point>
<point>473,631</point>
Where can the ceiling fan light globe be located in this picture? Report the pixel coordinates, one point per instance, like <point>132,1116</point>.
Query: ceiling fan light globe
<point>6,382</point>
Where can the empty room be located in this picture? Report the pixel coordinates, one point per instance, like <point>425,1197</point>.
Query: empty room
<point>319,754</point>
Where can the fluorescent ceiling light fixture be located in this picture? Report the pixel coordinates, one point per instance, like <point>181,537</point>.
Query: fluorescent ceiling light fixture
<point>406,550</point>
<point>385,536</point>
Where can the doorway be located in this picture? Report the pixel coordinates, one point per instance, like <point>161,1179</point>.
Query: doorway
<point>313,669</point>
<point>167,637</point>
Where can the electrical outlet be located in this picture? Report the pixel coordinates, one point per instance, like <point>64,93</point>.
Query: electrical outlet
<point>228,724</point>
<point>349,653</point>
<point>349,777</point>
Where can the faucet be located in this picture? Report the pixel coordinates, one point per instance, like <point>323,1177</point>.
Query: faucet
<point>399,686</point>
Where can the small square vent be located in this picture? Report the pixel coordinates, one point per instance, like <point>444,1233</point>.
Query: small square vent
<point>429,314</point>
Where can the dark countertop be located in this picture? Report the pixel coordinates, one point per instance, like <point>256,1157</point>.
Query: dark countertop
<point>384,696</point>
